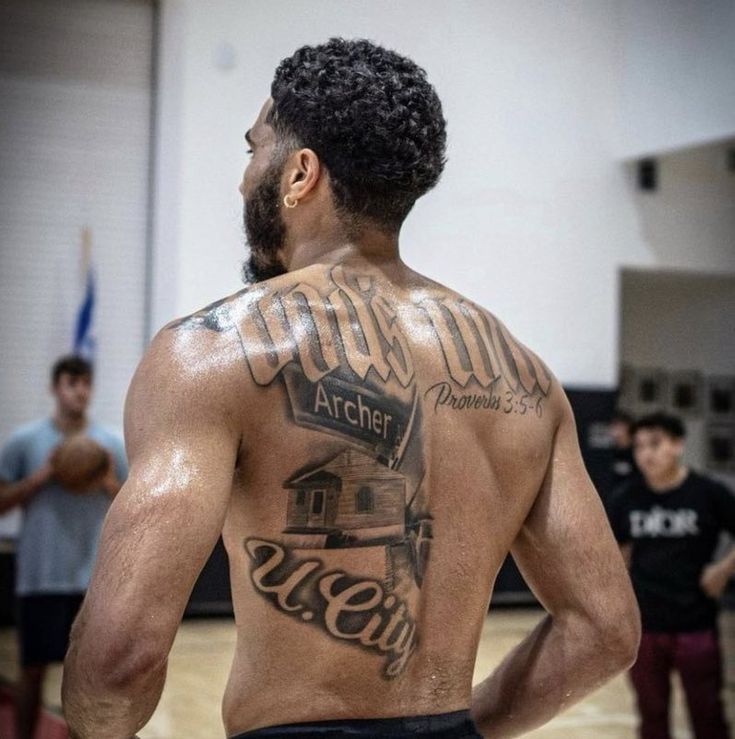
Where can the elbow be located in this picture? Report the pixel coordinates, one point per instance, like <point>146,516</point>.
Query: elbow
<point>116,662</point>
<point>130,659</point>
<point>620,635</point>
<point>128,664</point>
<point>626,639</point>
<point>108,681</point>
<point>609,626</point>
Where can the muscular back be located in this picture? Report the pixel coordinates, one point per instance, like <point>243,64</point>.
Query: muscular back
<point>394,438</point>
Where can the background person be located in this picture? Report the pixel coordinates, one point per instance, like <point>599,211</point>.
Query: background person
<point>59,530</point>
<point>623,466</point>
<point>669,523</point>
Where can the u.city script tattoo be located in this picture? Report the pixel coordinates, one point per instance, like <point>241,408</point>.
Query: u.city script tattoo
<point>362,611</point>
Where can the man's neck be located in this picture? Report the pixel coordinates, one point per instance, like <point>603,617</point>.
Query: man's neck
<point>669,481</point>
<point>69,423</point>
<point>333,246</point>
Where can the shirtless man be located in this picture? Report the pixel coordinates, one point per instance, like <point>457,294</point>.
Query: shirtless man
<point>370,444</point>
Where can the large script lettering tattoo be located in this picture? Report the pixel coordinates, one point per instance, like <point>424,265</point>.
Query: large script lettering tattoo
<point>487,368</point>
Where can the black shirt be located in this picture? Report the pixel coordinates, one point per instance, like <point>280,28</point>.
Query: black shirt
<point>674,535</point>
<point>623,466</point>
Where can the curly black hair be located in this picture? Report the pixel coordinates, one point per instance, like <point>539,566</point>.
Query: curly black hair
<point>73,365</point>
<point>372,118</point>
<point>671,425</point>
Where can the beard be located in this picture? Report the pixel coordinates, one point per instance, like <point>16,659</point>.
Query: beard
<point>265,230</point>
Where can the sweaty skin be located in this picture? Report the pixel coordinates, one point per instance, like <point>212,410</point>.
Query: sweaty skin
<point>371,445</point>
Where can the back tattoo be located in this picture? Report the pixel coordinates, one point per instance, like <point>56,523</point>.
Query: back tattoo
<point>357,527</point>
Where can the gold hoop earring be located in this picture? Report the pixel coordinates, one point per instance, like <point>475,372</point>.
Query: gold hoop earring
<point>289,202</point>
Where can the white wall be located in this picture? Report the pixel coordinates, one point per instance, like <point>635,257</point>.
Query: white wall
<point>75,85</point>
<point>688,222</point>
<point>534,215</point>
<point>678,74</point>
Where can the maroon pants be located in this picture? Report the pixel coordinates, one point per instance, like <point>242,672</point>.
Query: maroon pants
<point>696,657</point>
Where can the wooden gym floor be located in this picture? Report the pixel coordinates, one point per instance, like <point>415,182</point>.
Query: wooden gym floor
<point>201,655</point>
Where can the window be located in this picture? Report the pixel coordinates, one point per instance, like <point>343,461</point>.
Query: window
<point>365,502</point>
<point>317,502</point>
<point>300,497</point>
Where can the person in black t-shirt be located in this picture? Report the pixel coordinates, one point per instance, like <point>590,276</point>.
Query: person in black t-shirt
<point>623,466</point>
<point>668,522</point>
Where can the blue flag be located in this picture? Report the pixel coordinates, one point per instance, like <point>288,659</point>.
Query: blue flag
<point>84,340</point>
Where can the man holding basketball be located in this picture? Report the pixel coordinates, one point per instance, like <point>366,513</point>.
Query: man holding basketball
<point>58,537</point>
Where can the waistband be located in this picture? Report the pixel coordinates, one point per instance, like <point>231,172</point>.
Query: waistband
<point>454,725</point>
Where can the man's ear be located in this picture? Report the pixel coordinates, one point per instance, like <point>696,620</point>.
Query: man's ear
<point>304,170</point>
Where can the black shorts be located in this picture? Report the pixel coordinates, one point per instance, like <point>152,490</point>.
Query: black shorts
<point>455,725</point>
<point>44,623</point>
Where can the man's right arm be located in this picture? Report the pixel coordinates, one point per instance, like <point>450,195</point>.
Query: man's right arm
<point>16,487</point>
<point>17,493</point>
<point>569,558</point>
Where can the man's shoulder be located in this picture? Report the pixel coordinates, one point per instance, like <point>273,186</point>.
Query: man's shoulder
<point>707,483</point>
<point>228,312</point>
<point>480,334</point>
<point>192,361</point>
<point>27,432</point>
<point>218,317</point>
<point>196,335</point>
<point>107,435</point>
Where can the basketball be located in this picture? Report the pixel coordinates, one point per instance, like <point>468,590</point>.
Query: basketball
<point>80,463</point>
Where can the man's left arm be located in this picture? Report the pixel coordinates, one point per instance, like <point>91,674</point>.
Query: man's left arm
<point>158,533</point>
<point>716,575</point>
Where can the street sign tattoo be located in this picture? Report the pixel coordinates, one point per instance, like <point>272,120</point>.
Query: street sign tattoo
<point>347,370</point>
